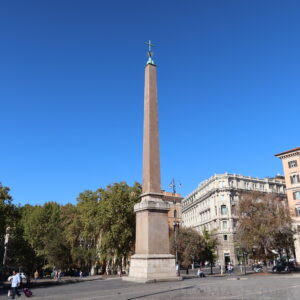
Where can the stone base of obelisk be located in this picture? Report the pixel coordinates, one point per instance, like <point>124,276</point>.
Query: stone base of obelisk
<point>152,260</point>
<point>147,268</point>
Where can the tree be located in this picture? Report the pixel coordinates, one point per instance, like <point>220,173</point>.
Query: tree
<point>87,215</point>
<point>20,254</point>
<point>44,232</point>
<point>190,246</point>
<point>264,225</point>
<point>210,247</point>
<point>117,221</point>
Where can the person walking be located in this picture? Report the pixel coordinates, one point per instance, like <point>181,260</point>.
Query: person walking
<point>230,268</point>
<point>15,281</point>
<point>36,275</point>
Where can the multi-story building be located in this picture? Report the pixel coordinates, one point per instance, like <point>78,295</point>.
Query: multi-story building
<point>291,167</point>
<point>212,206</point>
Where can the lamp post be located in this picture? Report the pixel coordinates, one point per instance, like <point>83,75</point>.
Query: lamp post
<point>5,245</point>
<point>6,239</point>
<point>175,223</point>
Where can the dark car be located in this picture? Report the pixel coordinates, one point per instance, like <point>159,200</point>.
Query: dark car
<point>283,266</point>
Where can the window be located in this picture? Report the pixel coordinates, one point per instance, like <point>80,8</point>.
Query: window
<point>224,223</point>
<point>225,237</point>
<point>296,195</point>
<point>223,210</point>
<point>295,178</point>
<point>234,224</point>
<point>233,209</point>
<point>292,164</point>
<point>175,213</point>
<point>297,211</point>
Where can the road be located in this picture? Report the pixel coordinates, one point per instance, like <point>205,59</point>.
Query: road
<point>255,286</point>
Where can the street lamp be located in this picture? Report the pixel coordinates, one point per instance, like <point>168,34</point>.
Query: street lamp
<point>176,225</point>
<point>5,245</point>
<point>2,268</point>
<point>175,222</point>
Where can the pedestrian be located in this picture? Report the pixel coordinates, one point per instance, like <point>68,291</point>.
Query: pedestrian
<point>230,268</point>
<point>36,275</point>
<point>177,270</point>
<point>200,273</point>
<point>80,274</point>
<point>15,281</point>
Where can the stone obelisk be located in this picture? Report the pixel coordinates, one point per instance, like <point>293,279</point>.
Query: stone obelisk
<point>152,260</point>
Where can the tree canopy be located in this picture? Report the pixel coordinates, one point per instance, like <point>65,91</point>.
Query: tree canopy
<point>264,225</point>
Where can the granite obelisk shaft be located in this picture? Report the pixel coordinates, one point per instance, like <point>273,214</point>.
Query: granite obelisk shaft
<point>151,156</point>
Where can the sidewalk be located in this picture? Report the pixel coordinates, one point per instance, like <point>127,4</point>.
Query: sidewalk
<point>63,280</point>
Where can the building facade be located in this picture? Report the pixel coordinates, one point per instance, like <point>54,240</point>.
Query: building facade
<point>291,167</point>
<point>175,213</point>
<point>212,206</point>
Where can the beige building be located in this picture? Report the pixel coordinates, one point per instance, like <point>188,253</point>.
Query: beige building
<point>291,167</point>
<point>174,214</point>
<point>212,206</point>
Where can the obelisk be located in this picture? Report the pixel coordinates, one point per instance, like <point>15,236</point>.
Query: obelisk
<point>152,260</point>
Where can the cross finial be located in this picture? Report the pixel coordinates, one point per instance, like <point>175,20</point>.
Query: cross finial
<point>149,45</point>
<point>150,53</point>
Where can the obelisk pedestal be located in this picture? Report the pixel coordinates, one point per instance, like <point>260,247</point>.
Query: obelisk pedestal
<point>152,260</point>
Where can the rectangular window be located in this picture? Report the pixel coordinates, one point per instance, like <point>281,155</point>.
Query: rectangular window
<point>223,210</point>
<point>296,195</point>
<point>292,164</point>
<point>234,224</point>
<point>225,237</point>
<point>295,178</point>
<point>224,223</point>
<point>297,211</point>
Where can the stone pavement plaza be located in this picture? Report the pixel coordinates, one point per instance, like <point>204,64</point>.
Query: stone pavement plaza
<point>255,286</point>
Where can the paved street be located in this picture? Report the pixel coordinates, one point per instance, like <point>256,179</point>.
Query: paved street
<point>256,286</point>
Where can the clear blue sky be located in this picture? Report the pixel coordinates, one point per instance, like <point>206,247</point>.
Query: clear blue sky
<point>71,91</point>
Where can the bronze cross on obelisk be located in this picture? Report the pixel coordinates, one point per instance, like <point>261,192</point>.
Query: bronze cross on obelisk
<point>149,45</point>
<point>150,53</point>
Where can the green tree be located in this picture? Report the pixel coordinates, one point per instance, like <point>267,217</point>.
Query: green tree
<point>117,221</point>
<point>210,248</point>
<point>190,246</point>
<point>87,229</point>
<point>44,232</point>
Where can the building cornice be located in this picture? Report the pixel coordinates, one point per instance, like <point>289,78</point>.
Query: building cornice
<point>289,153</point>
<point>225,189</point>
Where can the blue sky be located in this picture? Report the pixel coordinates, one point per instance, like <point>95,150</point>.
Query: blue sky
<point>71,91</point>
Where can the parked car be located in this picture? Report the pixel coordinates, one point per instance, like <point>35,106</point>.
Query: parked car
<point>283,266</point>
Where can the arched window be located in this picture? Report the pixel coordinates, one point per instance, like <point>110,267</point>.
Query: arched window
<point>175,213</point>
